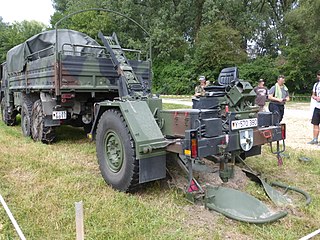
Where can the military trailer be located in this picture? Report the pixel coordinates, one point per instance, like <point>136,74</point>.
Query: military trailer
<point>66,77</point>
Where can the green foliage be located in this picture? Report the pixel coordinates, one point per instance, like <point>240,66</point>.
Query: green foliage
<point>174,78</point>
<point>16,33</point>
<point>218,46</point>
<point>263,67</point>
<point>301,53</point>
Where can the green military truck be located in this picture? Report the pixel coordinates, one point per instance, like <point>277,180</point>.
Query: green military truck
<point>65,77</point>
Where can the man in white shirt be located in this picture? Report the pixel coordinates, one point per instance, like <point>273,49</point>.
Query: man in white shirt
<point>316,112</point>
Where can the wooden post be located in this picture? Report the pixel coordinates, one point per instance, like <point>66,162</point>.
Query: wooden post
<point>79,220</point>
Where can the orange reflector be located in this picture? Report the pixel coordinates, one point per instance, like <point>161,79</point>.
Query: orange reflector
<point>194,150</point>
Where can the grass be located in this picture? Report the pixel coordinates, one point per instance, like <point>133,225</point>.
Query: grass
<point>41,183</point>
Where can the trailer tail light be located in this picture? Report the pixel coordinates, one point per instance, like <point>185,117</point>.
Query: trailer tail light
<point>192,144</point>
<point>283,131</point>
<point>67,95</point>
<point>194,148</point>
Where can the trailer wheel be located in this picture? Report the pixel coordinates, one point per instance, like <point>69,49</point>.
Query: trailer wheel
<point>26,111</point>
<point>116,152</point>
<point>8,119</point>
<point>39,131</point>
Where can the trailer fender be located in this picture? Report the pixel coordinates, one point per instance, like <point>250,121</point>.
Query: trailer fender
<point>150,143</point>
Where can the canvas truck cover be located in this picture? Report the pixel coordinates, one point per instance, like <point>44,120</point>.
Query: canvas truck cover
<point>17,57</point>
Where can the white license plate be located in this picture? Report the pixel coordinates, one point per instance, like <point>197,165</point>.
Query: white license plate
<point>244,123</point>
<point>57,115</point>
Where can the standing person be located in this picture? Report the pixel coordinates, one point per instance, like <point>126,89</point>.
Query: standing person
<point>262,94</point>
<point>278,96</point>
<point>199,90</point>
<point>316,112</point>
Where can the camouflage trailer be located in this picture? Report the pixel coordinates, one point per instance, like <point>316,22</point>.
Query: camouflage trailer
<point>65,77</point>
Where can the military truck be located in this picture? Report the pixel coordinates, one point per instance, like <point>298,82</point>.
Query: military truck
<point>66,77</point>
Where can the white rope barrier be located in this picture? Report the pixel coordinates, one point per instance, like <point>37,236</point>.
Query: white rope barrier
<point>14,222</point>
<point>310,235</point>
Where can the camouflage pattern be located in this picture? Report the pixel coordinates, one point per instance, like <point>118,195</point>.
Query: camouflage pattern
<point>86,75</point>
<point>200,90</point>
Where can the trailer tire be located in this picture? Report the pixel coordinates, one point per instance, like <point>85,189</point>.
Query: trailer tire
<point>116,152</point>
<point>39,131</point>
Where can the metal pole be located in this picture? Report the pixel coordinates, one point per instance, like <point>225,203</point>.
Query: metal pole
<point>14,222</point>
<point>79,220</point>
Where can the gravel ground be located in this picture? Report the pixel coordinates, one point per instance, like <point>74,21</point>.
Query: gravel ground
<point>297,117</point>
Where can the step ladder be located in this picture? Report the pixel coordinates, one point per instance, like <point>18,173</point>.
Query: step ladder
<point>129,84</point>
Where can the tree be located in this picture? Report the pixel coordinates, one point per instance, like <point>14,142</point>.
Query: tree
<point>218,46</point>
<point>16,33</point>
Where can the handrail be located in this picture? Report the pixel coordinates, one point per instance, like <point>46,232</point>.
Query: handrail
<point>138,52</point>
<point>38,52</point>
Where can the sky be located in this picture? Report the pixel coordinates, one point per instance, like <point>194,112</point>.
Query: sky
<point>19,10</point>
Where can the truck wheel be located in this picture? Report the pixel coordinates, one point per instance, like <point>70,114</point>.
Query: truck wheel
<point>39,131</point>
<point>2,110</point>
<point>116,152</point>
<point>26,111</point>
<point>9,120</point>
<point>25,120</point>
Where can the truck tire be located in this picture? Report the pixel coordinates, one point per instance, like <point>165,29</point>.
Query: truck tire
<point>2,110</point>
<point>9,120</point>
<point>116,152</point>
<point>39,131</point>
<point>26,111</point>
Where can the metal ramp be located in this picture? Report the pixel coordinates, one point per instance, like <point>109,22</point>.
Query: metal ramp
<point>129,84</point>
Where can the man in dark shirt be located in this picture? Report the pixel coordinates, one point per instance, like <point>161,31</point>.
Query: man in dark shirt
<point>262,94</point>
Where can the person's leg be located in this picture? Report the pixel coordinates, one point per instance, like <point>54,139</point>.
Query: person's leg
<point>274,108</point>
<point>315,122</point>
<point>315,131</point>
<point>281,112</point>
